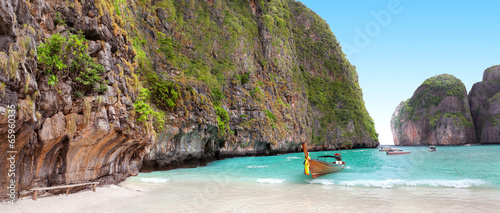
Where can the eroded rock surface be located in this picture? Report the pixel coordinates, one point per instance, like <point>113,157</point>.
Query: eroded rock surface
<point>61,138</point>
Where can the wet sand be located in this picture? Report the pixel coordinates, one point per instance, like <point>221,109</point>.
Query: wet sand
<point>221,196</point>
<point>230,197</point>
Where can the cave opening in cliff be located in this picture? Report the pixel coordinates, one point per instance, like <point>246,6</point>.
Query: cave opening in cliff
<point>58,163</point>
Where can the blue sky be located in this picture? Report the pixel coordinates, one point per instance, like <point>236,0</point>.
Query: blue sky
<point>397,44</point>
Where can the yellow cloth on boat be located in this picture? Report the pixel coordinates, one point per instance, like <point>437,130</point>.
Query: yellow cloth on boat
<point>306,166</point>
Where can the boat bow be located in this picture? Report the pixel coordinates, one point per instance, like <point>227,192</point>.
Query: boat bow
<point>316,168</point>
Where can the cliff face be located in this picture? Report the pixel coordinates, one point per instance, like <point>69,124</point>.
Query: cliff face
<point>61,131</point>
<point>484,100</point>
<point>102,89</point>
<point>437,114</point>
<point>275,73</point>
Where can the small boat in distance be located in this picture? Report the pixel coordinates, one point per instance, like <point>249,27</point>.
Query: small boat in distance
<point>316,167</point>
<point>397,152</point>
<point>432,149</point>
<point>384,148</point>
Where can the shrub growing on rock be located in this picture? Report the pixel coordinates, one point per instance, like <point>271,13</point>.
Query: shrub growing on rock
<point>66,57</point>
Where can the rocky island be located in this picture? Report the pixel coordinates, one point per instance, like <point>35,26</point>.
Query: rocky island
<point>484,100</point>
<point>437,114</point>
<point>441,113</point>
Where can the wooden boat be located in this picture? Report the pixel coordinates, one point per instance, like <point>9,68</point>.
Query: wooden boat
<point>397,152</point>
<point>316,167</point>
<point>432,149</point>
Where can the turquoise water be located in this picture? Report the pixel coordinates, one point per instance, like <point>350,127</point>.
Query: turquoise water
<point>449,167</point>
<point>453,179</point>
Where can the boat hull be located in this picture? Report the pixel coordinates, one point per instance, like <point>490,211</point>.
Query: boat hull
<point>397,153</point>
<point>319,167</point>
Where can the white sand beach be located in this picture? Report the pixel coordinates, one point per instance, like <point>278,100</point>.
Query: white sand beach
<point>105,199</point>
<point>261,197</point>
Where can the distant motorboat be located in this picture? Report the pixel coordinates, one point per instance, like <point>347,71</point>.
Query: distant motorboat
<point>397,152</point>
<point>432,149</point>
<point>467,144</point>
<point>384,148</point>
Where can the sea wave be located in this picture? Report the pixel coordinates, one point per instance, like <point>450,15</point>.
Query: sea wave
<point>322,181</point>
<point>270,180</point>
<point>155,180</point>
<point>256,166</point>
<point>390,183</point>
<point>293,158</point>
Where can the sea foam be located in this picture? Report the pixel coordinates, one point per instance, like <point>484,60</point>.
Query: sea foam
<point>322,181</point>
<point>292,158</point>
<point>390,183</point>
<point>256,166</point>
<point>155,180</point>
<point>271,180</point>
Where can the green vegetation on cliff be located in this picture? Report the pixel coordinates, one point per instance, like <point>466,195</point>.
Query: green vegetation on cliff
<point>273,50</point>
<point>65,57</point>
<point>434,90</point>
<point>331,81</point>
<point>146,112</point>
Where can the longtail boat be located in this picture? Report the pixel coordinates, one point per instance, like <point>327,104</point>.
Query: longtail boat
<point>316,167</point>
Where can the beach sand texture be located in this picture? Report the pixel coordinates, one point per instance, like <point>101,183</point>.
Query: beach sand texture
<point>262,197</point>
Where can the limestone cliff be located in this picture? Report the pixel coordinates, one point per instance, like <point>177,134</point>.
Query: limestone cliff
<point>102,89</point>
<point>63,130</point>
<point>275,75</point>
<point>437,114</point>
<point>484,100</point>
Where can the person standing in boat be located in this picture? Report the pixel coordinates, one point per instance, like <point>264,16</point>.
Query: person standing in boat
<point>338,157</point>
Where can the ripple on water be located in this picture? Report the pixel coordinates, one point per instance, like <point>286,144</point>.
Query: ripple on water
<point>257,166</point>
